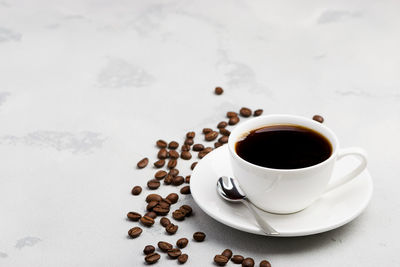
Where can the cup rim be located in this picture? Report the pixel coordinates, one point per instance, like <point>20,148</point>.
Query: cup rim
<point>334,142</point>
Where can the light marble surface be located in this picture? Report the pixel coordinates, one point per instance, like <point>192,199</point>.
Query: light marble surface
<point>86,87</point>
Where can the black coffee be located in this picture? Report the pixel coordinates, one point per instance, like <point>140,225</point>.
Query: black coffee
<point>284,147</point>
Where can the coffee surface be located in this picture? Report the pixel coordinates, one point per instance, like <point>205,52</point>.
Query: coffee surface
<point>284,147</point>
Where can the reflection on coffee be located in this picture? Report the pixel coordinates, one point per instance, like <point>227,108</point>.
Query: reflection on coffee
<point>284,146</point>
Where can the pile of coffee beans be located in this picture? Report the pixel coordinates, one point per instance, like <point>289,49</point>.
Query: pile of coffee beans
<point>226,255</point>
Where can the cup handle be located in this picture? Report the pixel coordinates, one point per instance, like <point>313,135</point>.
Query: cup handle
<point>360,153</point>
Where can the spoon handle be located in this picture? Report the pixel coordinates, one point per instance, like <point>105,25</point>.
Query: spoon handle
<point>268,229</point>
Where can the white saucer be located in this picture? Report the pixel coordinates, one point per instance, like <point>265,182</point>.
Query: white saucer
<point>332,210</point>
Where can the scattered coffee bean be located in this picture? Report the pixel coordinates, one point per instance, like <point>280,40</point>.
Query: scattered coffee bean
<point>174,253</point>
<point>164,246</point>
<point>187,179</point>
<point>168,179</point>
<point>207,130</point>
<point>143,163</point>
<point>224,131</point>
<point>173,154</point>
<point>217,144</point>
<point>186,155</point>
<point>220,260</point>
<point>147,221</point>
<point>245,112</point>
<point>149,249</point>
<point>165,203</point>
<point>151,205</point>
<point>136,190</point>
<point>134,216</point>
<point>199,236</point>
<point>227,253</point>
<point>185,190</point>
<point>152,258</point>
<point>211,136</point>
<point>187,210</point>
<point>159,163</point>
<point>198,147</point>
<point>161,144</point>
<point>257,112</point>
<point>231,114</point>
<point>178,215</point>
<point>173,145</point>
<point>190,135</point>
<point>238,259</point>
<point>162,211</point>
<point>223,139</point>
<point>185,148</point>
<point>189,142</point>
<point>172,163</point>
<point>178,180</point>
<point>153,184</point>
<point>318,118</point>
<point>160,175</point>
<point>151,214</point>
<point>162,154</point>
<point>171,228</point>
<point>222,124</point>
<point>233,120</point>
<point>173,172</point>
<point>218,90</point>
<point>265,263</point>
<point>164,221</point>
<point>173,197</point>
<point>153,197</point>
<point>135,232</point>
<point>182,242</point>
<point>183,258</point>
<point>204,152</point>
<point>248,262</point>
<point>193,165</point>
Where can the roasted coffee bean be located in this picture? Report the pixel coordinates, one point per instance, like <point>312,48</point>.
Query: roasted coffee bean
<point>173,197</point>
<point>204,152</point>
<point>186,155</point>
<point>173,154</point>
<point>174,253</point>
<point>224,131</point>
<point>147,221</point>
<point>172,163</point>
<point>189,142</point>
<point>143,163</point>
<point>218,90</point>
<point>265,263</point>
<point>227,253</point>
<point>185,190</point>
<point>173,172</point>
<point>162,154</point>
<point>183,258</point>
<point>207,130</point>
<point>231,114</point>
<point>187,179</point>
<point>187,210</point>
<point>173,145</point>
<point>211,136</point>
<point>165,203</point>
<point>193,165</point>
<point>245,112</point>
<point>133,216</point>
<point>135,232</point>
<point>164,246</point>
<point>153,184</point>
<point>248,262</point>
<point>149,249</point>
<point>152,258</point>
<point>160,175</point>
<point>151,214</point>
<point>185,148</point>
<point>238,259</point>
<point>223,139</point>
<point>220,260</point>
<point>171,228</point>
<point>178,180</point>
<point>153,197</point>
<point>198,147</point>
<point>178,215</point>
<point>161,144</point>
<point>162,211</point>
<point>164,221</point>
<point>222,124</point>
<point>217,144</point>
<point>318,118</point>
<point>168,179</point>
<point>190,135</point>
<point>159,163</point>
<point>151,205</point>
<point>257,112</point>
<point>199,236</point>
<point>233,120</point>
<point>136,190</point>
<point>182,242</point>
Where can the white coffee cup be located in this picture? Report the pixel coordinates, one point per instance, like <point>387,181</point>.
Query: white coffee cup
<point>289,190</point>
